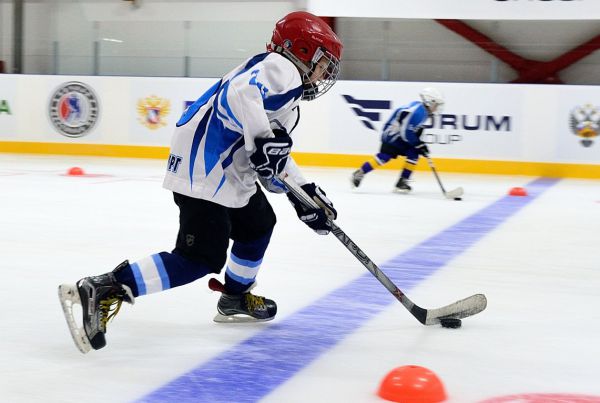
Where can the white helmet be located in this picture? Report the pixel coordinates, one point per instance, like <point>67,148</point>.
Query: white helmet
<point>432,99</point>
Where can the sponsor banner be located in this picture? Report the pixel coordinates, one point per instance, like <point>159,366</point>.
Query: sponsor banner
<point>8,107</point>
<point>473,124</point>
<point>468,9</point>
<point>156,106</point>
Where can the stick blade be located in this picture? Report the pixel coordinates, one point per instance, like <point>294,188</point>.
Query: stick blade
<point>460,309</point>
<point>458,192</point>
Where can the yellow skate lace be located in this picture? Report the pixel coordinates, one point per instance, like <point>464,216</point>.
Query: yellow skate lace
<point>109,308</point>
<point>255,302</point>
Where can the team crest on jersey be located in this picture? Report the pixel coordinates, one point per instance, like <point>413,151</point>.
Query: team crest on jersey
<point>152,111</point>
<point>74,109</point>
<point>585,123</point>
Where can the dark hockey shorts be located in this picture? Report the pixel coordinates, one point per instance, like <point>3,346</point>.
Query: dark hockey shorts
<point>394,150</point>
<point>205,228</point>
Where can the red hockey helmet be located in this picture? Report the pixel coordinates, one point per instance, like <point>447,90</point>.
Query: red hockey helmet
<point>313,47</point>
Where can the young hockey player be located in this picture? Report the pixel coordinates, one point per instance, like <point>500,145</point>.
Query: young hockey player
<point>235,133</point>
<point>402,136</point>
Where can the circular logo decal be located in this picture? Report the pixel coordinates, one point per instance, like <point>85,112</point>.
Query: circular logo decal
<point>74,109</point>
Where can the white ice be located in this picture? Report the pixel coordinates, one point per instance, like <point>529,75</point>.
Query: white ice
<point>540,271</point>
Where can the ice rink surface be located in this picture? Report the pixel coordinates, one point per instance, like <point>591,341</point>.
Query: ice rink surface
<point>338,332</point>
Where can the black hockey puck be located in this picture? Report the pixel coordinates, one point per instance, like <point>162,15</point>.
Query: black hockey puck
<point>458,198</point>
<point>451,323</point>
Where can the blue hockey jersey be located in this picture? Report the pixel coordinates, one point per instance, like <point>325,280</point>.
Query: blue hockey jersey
<point>404,124</point>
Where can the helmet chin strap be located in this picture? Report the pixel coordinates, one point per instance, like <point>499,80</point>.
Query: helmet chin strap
<point>290,56</point>
<point>311,89</point>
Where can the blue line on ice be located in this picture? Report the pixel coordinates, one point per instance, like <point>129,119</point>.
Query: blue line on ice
<point>258,365</point>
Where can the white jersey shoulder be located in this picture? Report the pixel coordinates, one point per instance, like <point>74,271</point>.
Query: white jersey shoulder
<point>214,138</point>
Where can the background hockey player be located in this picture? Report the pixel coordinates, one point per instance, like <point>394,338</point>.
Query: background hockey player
<point>401,135</point>
<point>235,133</point>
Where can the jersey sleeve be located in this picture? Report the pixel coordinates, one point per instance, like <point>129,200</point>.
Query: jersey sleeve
<point>291,168</point>
<point>415,121</point>
<point>270,85</point>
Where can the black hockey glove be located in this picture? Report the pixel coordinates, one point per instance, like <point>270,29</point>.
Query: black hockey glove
<point>271,155</point>
<point>317,219</point>
<point>423,149</point>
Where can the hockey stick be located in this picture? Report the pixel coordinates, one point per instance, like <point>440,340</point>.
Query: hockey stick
<point>459,309</point>
<point>458,192</point>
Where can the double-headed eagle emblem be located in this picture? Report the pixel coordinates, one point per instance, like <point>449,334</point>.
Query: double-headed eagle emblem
<point>152,111</point>
<point>585,123</point>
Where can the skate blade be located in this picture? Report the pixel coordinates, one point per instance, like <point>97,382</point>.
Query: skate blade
<point>241,318</point>
<point>68,296</point>
<point>401,191</point>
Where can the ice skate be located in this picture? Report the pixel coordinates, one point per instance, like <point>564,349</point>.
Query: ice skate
<point>244,307</point>
<point>100,298</point>
<point>402,186</point>
<point>357,177</point>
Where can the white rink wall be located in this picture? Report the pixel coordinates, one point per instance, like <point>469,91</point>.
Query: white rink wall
<point>489,122</point>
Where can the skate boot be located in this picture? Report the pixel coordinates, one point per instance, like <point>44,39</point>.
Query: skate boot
<point>244,307</point>
<point>357,177</point>
<point>402,186</point>
<point>100,298</point>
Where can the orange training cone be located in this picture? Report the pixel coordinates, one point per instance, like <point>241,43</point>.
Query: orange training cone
<point>412,384</point>
<point>518,192</point>
<point>75,171</point>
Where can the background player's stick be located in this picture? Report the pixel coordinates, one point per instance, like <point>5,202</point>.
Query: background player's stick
<point>459,309</point>
<point>458,192</point>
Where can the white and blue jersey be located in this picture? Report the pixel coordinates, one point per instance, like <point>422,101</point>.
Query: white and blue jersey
<point>214,138</point>
<point>404,124</point>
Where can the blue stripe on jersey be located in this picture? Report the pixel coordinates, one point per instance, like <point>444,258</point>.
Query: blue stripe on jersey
<point>139,279</point>
<point>162,272</point>
<point>220,184</point>
<point>393,117</point>
<point>276,102</point>
<point>198,134</point>
<point>245,262</point>
<point>189,113</point>
<point>227,161</point>
<point>218,139</point>
<point>221,115</point>
<point>225,104</point>
<point>254,61</point>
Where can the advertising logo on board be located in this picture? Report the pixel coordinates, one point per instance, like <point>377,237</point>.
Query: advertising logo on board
<point>152,111</point>
<point>585,123</point>
<point>4,107</point>
<point>371,112</point>
<point>74,109</point>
